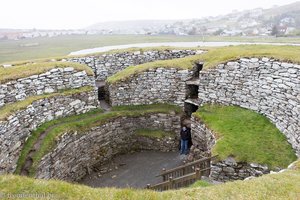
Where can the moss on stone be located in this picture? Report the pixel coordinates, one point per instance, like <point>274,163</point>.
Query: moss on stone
<point>22,71</point>
<point>10,108</point>
<point>141,49</point>
<point>213,57</point>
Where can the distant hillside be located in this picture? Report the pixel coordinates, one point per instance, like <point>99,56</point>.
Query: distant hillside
<point>275,21</point>
<point>279,20</point>
<point>131,27</point>
<point>281,10</point>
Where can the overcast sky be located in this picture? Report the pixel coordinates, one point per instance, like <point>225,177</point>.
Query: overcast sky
<point>73,14</point>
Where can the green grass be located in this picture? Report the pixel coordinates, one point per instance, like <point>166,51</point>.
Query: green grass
<point>166,108</point>
<point>182,63</point>
<point>246,135</point>
<point>269,187</point>
<point>11,51</point>
<point>22,71</point>
<point>153,133</point>
<point>11,108</point>
<point>82,124</point>
<point>214,57</point>
<point>201,183</point>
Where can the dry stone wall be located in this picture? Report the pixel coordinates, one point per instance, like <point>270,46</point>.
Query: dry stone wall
<point>230,170</point>
<point>161,85</point>
<point>265,85</point>
<point>76,153</point>
<point>203,138</point>
<point>17,127</point>
<point>48,82</point>
<point>106,65</point>
<point>164,144</point>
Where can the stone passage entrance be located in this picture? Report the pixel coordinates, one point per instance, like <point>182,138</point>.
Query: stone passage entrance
<point>102,92</point>
<point>189,108</point>
<point>198,68</point>
<point>192,91</point>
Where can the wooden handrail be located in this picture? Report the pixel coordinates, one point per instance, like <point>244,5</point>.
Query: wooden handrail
<point>182,177</point>
<point>172,181</point>
<point>186,165</point>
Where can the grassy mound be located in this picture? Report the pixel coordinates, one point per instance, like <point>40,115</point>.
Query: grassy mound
<point>8,109</point>
<point>153,133</point>
<point>22,71</point>
<point>272,186</point>
<point>214,57</point>
<point>246,135</point>
<point>80,124</point>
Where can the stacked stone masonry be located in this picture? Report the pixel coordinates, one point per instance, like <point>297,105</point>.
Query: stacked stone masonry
<point>230,170</point>
<point>100,144</point>
<point>265,85</point>
<point>203,138</point>
<point>106,65</point>
<point>161,85</point>
<point>49,82</point>
<point>17,128</point>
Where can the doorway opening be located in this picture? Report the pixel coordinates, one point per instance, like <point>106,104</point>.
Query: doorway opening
<point>198,68</point>
<point>192,91</point>
<point>102,96</point>
<point>190,108</point>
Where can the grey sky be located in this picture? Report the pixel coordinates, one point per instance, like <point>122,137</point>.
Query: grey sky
<point>67,14</point>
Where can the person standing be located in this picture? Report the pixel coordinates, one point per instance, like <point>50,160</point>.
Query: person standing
<point>184,140</point>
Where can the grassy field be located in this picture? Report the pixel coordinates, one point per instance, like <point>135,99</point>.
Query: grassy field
<point>82,123</point>
<point>246,135</point>
<point>20,50</point>
<point>283,186</point>
<point>213,57</point>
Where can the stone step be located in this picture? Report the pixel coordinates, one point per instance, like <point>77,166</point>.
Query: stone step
<point>195,81</point>
<point>193,101</point>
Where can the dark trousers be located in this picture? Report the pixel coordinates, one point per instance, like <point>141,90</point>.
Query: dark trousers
<point>184,147</point>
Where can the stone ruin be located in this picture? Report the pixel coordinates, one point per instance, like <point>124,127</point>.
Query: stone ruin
<point>265,85</point>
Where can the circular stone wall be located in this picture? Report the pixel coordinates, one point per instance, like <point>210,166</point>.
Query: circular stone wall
<point>76,153</point>
<point>266,86</point>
